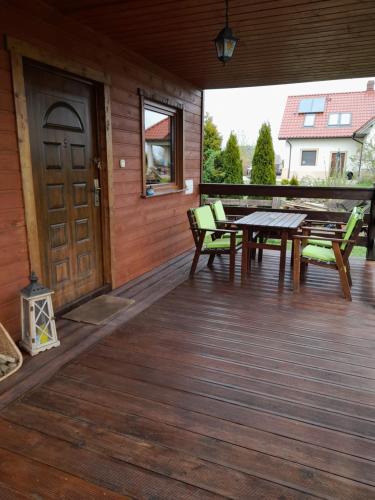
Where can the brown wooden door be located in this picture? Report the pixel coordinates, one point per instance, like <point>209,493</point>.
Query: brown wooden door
<point>62,122</point>
<point>337,163</point>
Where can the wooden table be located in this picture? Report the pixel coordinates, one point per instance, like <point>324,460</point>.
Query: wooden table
<point>281,224</point>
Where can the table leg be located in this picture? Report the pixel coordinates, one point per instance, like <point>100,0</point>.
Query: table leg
<point>245,252</point>
<point>284,242</point>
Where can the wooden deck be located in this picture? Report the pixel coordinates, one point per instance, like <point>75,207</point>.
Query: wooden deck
<point>218,389</point>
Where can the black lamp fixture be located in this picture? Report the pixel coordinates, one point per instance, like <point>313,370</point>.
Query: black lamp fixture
<point>225,41</point>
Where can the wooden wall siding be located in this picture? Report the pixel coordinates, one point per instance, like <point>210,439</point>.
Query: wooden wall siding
<point>281,41</point>
<point>147,231</point>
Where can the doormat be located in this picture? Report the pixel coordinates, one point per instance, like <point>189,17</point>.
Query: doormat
<point>100,310</point>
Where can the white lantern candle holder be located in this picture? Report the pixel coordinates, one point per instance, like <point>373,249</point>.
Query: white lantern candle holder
<point>38,320</point>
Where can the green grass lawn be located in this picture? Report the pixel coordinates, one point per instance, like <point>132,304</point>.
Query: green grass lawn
<point>356,252</point>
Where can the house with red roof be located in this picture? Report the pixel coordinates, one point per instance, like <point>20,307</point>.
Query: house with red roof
<point>158,150</point>
<point>324,133</point>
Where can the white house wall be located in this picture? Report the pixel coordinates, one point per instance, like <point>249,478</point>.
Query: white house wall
<point>324,149</point>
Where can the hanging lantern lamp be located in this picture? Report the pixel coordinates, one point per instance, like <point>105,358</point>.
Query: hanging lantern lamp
<point>225,41</point>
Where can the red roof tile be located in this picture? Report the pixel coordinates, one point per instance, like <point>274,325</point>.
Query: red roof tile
<point>159,131</point>
<point>360,104</point>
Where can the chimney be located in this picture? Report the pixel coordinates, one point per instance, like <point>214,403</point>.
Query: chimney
<point>370,85</point>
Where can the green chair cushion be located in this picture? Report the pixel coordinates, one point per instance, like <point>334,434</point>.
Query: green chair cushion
<point>221,243</point>
<point>354,218</point>
<point>321,243</point>
<point>219,211</point>
<point>318,253</point>
<point>205,220</point>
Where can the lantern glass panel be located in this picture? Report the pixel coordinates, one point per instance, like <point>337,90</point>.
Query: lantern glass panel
<point>229,46</point>
<point>42,322</point>
<point>26,318</point>
<point>219,47</point>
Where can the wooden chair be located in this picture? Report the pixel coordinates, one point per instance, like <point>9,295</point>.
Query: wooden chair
<point>222,218</point>
<point>219,213</point>
<point>326,228</point>
<point>211,239</point>
<point>332,250</point>
<point>318,227</point>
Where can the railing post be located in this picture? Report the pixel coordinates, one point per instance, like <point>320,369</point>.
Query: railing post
<point>371,230</point>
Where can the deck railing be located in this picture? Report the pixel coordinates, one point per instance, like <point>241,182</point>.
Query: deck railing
<point>300,192</point>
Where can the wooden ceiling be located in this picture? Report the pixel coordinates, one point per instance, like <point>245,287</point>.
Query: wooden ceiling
<point>281,41</point>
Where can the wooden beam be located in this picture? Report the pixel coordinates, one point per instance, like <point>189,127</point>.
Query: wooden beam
<point>26,164</point>
<point>110,259</point>
<point>371,231</point>
<point>338,193</point>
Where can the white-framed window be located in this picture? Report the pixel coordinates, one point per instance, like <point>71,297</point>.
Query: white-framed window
<point>163,154</point>
<point>309,120</point>
<point>337,119</point>
<point>308,157</point>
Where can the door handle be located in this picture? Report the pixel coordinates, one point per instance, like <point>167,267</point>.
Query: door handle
<point>96,193</point>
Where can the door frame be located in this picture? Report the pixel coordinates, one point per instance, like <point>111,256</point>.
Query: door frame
<point>345,153</point>
<point>18,50</point>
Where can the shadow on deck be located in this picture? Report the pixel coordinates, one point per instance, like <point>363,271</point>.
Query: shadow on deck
<point>218,389</point>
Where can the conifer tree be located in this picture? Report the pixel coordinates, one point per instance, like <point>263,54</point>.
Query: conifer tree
<point>231,162</point>
<point>212,139</point>
<point>263,165</point>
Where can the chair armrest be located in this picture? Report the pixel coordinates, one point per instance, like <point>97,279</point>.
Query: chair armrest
<point>225,222</point>
<point>323,229</point>
<point>200,229</point>
<point>321,238</point>
<point>311,221</point>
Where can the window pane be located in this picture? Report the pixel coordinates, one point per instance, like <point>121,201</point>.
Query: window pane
<point>305,106</point>
<point>309,120</point>
<point>345,118</point>
<point>318,104</point>
<point>159,147</point>
<point>333,119</point>
<point>308,158</point>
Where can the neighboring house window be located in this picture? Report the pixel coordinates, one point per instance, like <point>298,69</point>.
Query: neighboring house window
<point>162,148</point>
<point>312,105</point>
<point>308,157</point>
<point>309,120</point>
<point>337,119</point>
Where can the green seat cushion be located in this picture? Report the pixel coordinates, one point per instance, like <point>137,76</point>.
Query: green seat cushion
<point>318,253</point>
<point>221,243</point>
<point>321,243</point>
<point>219,211</point>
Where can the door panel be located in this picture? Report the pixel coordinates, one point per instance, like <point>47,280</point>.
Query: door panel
<point>62,124</point>
<point>337,163</point>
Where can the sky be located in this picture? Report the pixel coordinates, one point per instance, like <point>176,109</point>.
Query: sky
<point>244,110</point>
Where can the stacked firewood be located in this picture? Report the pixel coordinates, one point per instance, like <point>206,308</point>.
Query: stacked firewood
<point>7,364</point>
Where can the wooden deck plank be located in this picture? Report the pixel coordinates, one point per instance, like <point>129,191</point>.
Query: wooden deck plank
<point>191,470</point>
<point>194,443</point>
<point>37,480</point>
<point>218,389</point>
